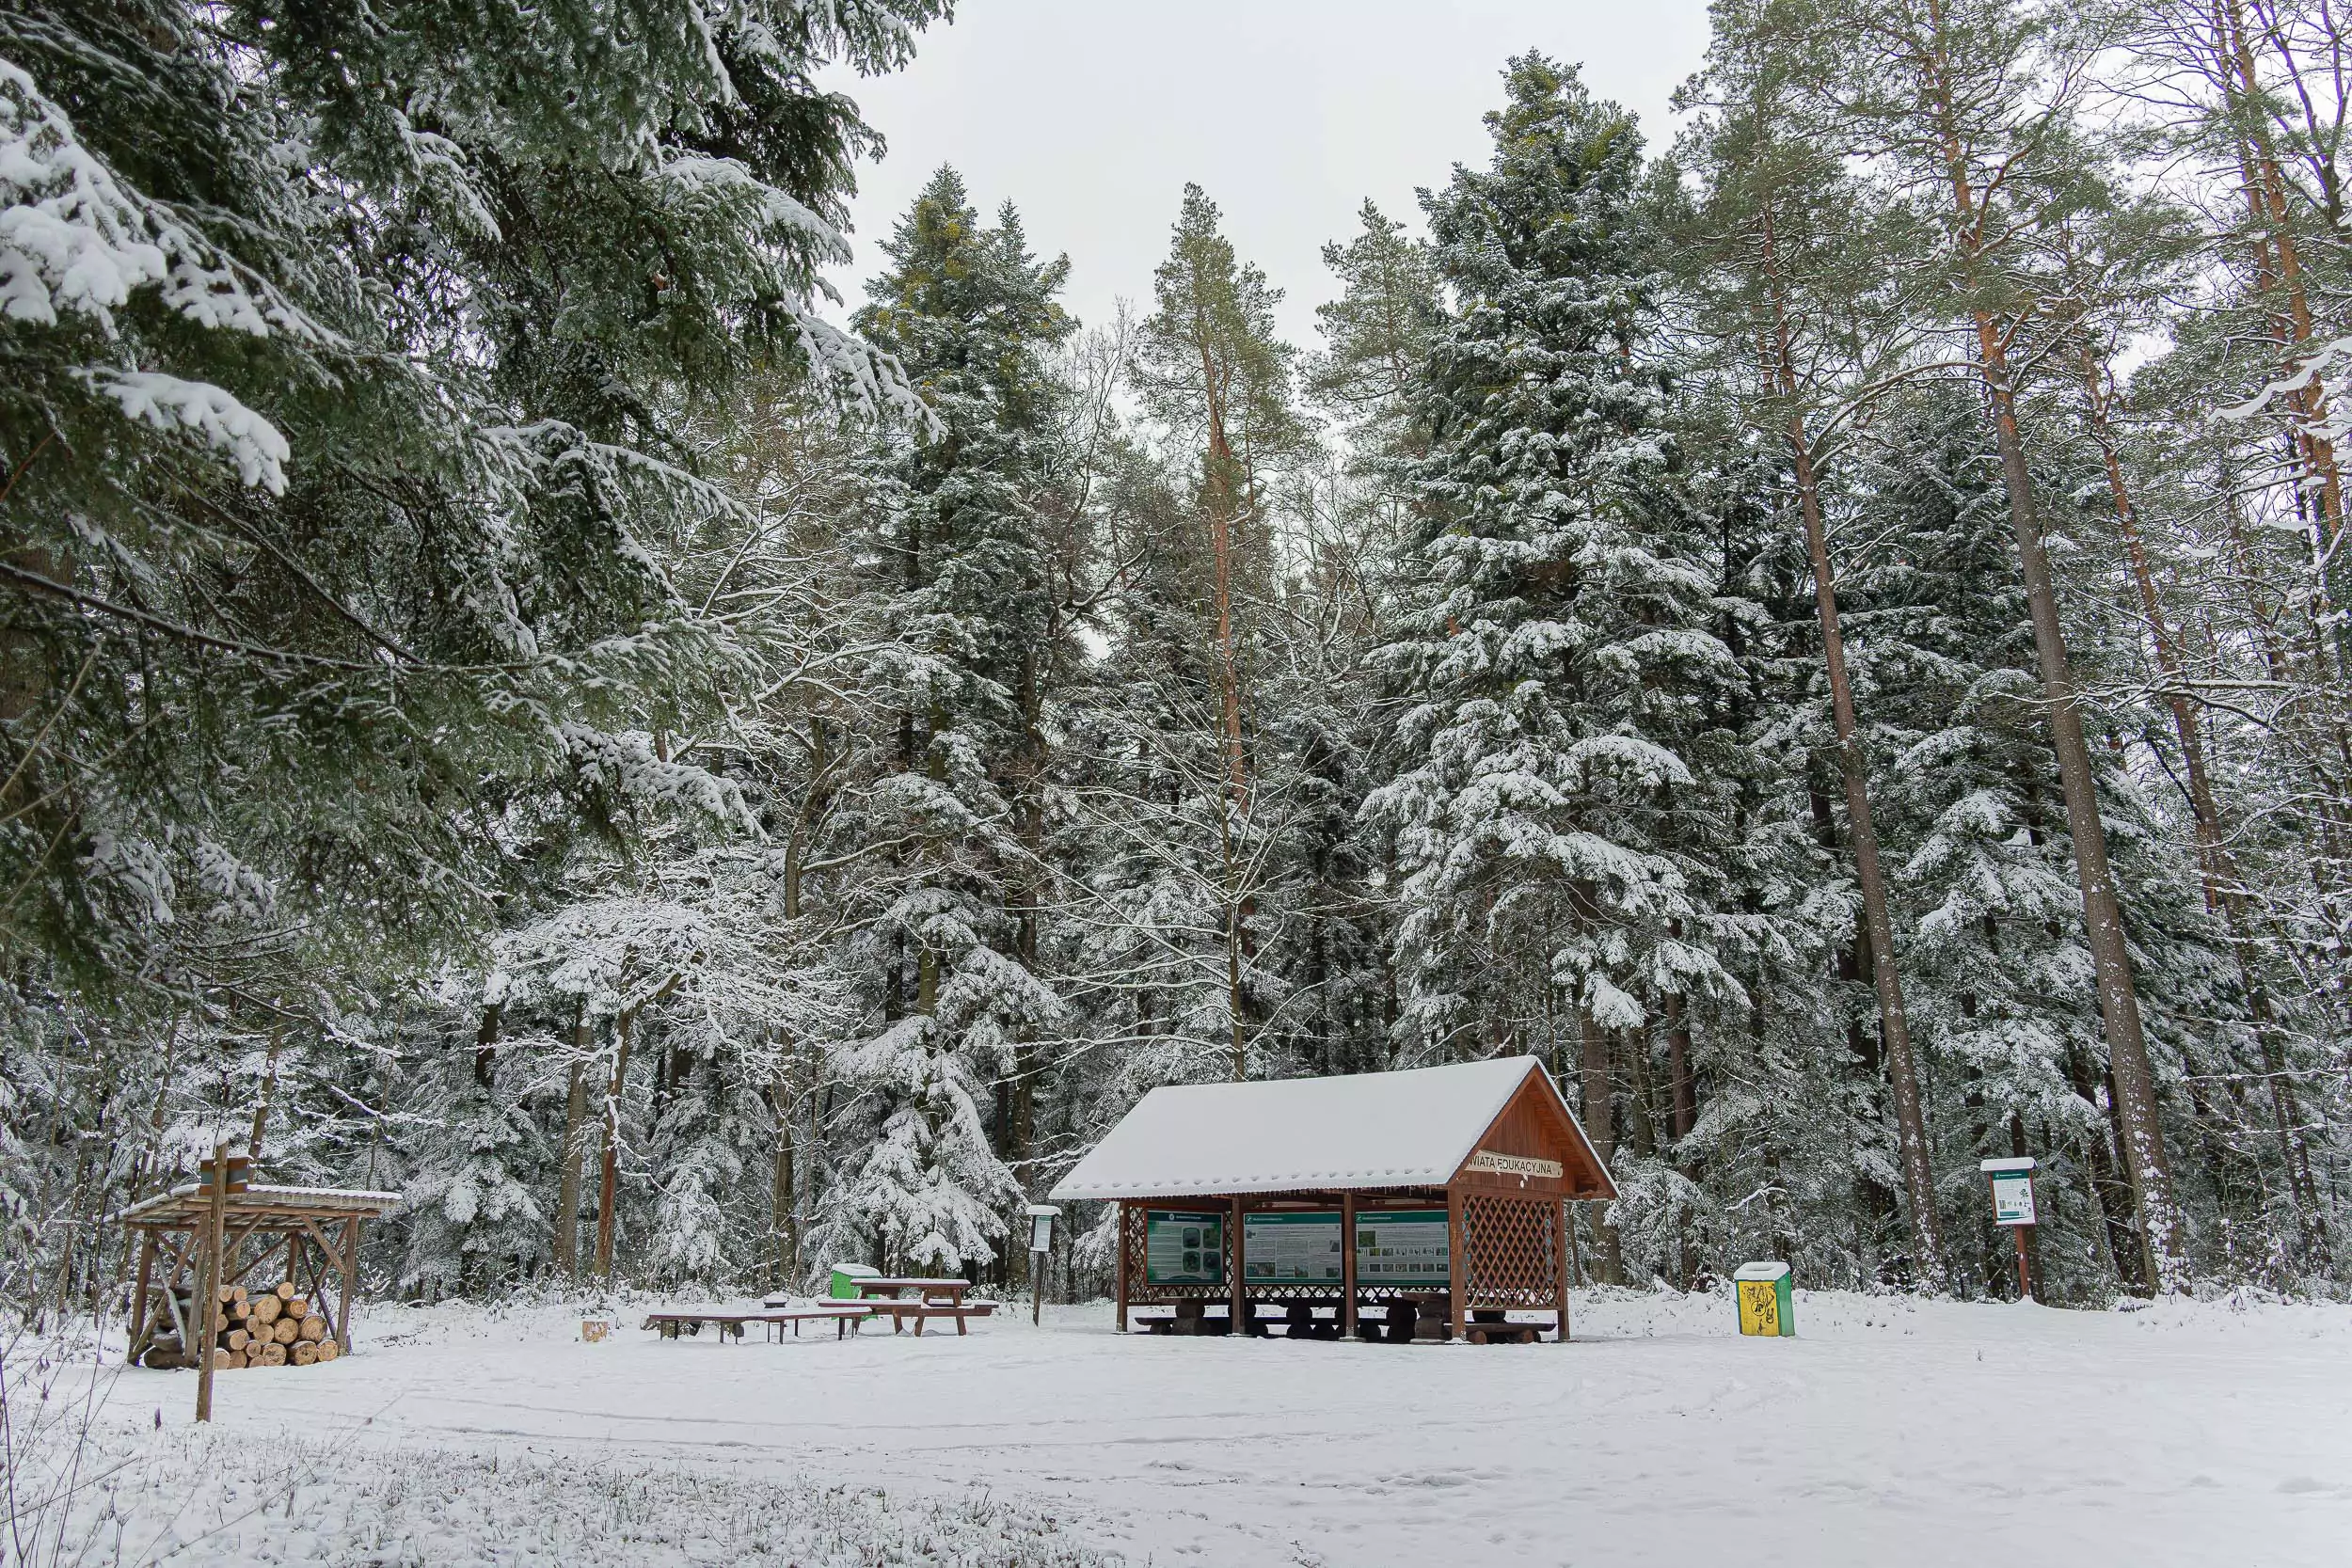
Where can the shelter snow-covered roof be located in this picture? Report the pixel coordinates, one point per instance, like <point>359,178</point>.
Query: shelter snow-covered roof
<point>1409,1128</point>
<point>191,1198</point>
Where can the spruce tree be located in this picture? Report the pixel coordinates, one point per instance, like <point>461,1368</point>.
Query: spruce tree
<point>1561,630</point>
<point>979,646</point>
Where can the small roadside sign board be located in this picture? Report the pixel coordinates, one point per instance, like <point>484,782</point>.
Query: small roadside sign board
<point>2013,1190</point>
<point>2012,1207</point>
<point>1767,1305</point>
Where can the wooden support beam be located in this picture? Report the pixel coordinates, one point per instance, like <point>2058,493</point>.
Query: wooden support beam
<point>1457,1256</point>
<point>1560,1262</point>
<point>1347,1265</point>
<point>350,1268</point>
<point>207,1304</point>
<point>1239,1296</point>
<point>1121,1250</point>
<point>139,1336</point>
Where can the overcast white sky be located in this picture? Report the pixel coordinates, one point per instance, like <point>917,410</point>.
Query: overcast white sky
<point>1090,114</point>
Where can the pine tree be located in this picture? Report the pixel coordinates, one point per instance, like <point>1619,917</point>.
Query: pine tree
<point>1795,261</point>
<point>1957,89</point>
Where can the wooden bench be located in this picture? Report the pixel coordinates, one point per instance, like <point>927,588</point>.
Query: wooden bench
<point>846,1317</point>
<point>1488,1326</point>
<point>923,1311</point>
<point>671,1326</point>
<point>729,1325</point>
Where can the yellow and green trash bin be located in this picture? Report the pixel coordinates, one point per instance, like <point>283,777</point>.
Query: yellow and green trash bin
<point>1766,1305</point>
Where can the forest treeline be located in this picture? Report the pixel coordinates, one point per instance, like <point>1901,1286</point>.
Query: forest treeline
<point>1828,630</point>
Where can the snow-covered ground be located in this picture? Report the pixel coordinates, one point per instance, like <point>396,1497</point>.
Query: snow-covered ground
<point>1889,1430</point>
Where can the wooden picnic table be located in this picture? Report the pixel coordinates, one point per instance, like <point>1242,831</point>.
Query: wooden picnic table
<point>899,1310</point>
<point>942,1291</point>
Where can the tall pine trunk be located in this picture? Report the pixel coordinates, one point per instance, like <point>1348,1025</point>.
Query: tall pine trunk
<point>1600,1126</point>
<point>2161,1227</point>
<point>575,1116</point>
<point>2224,893</point>
<point>1911,1128</point>
<point>609,1182</point>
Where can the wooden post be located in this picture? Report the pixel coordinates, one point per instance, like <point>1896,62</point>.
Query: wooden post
<point>1457,1256</point>
<point>1120,1249</point>
<point>2025,1280</point>
<point>1347,1265</point>
<point>350,1282</point>
<point>138,1297</point>
<point>1239,1297</point>
<point>1559,1261</point>
<point>200,1337</point>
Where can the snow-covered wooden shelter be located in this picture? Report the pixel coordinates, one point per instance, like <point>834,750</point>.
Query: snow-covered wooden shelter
<point>1444,1184</point>
<point>308,1235</point>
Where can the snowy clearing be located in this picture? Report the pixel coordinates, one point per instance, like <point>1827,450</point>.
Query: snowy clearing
<point>1888,1430</point>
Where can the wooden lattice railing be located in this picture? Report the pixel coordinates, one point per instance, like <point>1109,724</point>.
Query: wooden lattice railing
<point>1511,1250</point>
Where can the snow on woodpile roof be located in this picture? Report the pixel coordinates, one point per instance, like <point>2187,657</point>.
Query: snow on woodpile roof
<point>1410,1129</point>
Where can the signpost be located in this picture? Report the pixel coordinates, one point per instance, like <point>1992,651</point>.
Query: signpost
<point>201,1337</point>
<point>1041,1218</point>
<point>2012,1207</point>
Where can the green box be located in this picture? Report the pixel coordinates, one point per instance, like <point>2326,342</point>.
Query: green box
<point>845,1276</point>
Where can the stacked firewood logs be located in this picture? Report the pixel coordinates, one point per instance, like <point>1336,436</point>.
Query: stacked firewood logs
<point>275,1328</point>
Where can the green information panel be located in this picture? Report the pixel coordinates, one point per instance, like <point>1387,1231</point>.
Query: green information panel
<point>1183,1250</point>
<point>1403,1248</point>
<point>1290,1246</point>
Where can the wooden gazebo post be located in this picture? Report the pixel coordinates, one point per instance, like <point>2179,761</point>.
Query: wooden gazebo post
<point>351,1275</point>
<point>1559,1261</point>
<point>1457,1255</point>
<point>1240,1297</point>
<point>1347,1264</point>
<point>1121,1234</point>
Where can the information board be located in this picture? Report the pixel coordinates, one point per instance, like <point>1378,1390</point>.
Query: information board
<point>1290,1246</point>
<point>1183,1248</point>
<point>2012,1197</point>
<point>1407,1248</point>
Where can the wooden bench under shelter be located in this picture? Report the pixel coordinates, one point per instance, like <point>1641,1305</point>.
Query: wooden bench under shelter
<point>309,1235</point>
<point>1398,1206</point>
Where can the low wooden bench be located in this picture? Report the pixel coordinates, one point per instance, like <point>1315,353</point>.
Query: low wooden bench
<point>845,1317</point>
<point>1489,1326</point>
<point>671,1326</point>
<point>922,1311</point>
<point>729,1325</point>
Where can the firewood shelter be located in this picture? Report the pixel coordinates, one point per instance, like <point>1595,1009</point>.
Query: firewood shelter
<point>309,1235</point>
<point>1441,1187</point>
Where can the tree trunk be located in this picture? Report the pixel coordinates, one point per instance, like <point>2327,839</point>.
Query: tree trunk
<point>2223,893</point>
<point>1911,1128</point>
<point>608,1185</point>
<point>784,1215</point>
<point>269,1091</point>
<point>1686,1098</point>
<point>1600,1126</point>
<point>2119,999</point>
<point>486,1045</point>
<point>567,1188</point>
